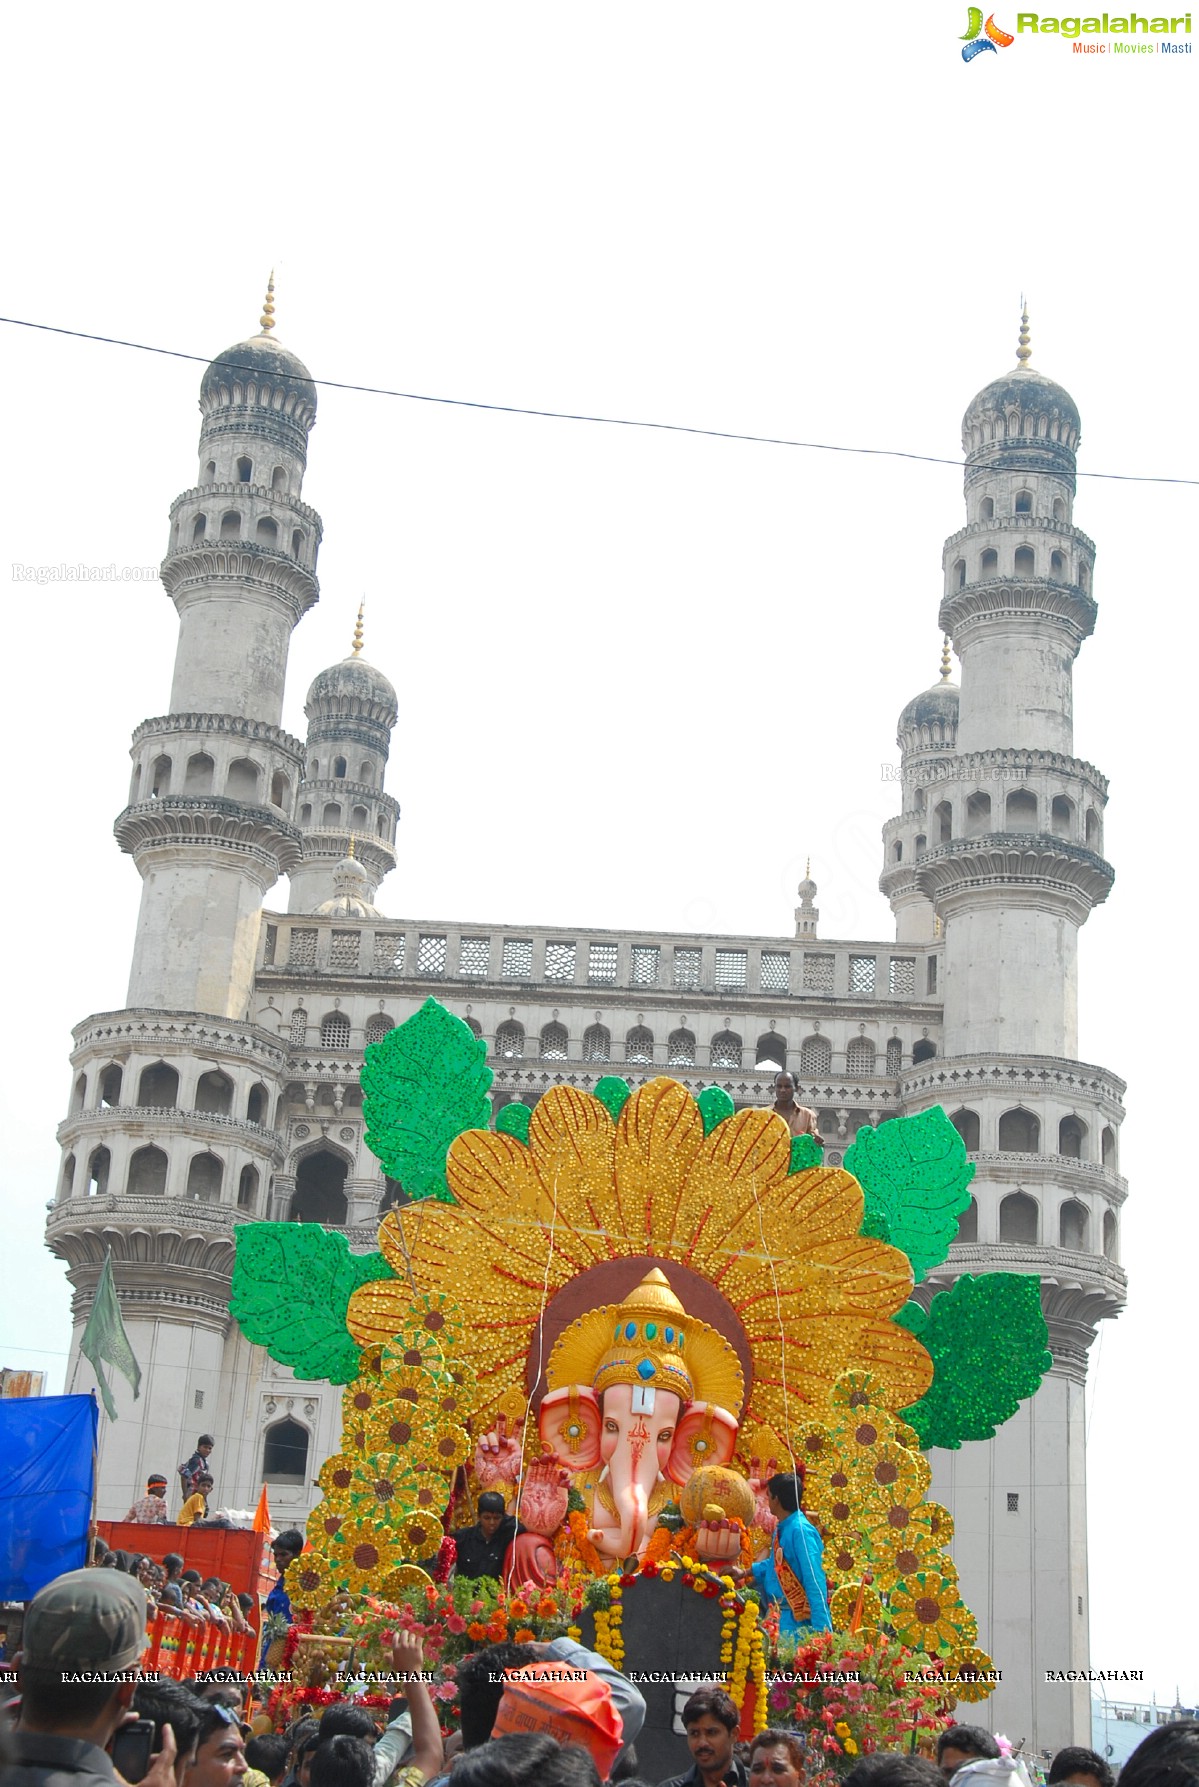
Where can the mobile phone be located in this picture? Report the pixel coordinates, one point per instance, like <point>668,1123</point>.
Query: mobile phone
<point>131,1750</point>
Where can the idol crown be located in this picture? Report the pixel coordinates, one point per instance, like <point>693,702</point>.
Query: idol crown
<point>649,1341</point>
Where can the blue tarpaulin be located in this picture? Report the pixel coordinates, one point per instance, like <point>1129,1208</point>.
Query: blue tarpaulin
<point>47,1467</point>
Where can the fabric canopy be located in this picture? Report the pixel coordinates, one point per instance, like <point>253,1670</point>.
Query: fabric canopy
<point>47,1468</point>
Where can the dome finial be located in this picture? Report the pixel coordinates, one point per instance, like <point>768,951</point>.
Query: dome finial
<point>356,650</point>
<point>350,851</point>
<point>807,869</point>
<point>945,660</point>
<point>1023,351</point>
<point>266,321</point>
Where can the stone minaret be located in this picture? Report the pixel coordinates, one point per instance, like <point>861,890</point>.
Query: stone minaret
<point>351,709</point>
<point>209,823</point>
<point>1000,844</point>
<point>171,1137</point>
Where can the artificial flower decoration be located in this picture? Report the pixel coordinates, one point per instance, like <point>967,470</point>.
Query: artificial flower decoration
<point>926,1613</point>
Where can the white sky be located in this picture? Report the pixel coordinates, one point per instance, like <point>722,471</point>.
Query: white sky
<point>641,674</point>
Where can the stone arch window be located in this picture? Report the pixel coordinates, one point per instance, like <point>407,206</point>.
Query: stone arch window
<point>158,1088</point>
<point>815,1057</point>
<point>214,1093</point>
<point>921,800</point>
<point>1019,1132</point>
<point>245,471</point>
<point>285,1453</point>
<point>988,564</point>
<point>335,1031</point>
<point>306,814</point>
<point>510,1041</point>
<point>680,1049</point>
<point>957,577</point>
<point>1023,503</point>
<point>924,1050</point>
<point>266,531</point>
<point>242,783</point>
<point>1025,561</point>
<point>381,828</point>
<point>1107,1149</point>
<point>297,542</point>
<point>1059,509</point>
<point>639,1045</point>
<point>597,1043</point>
<point>210,471</point>
<point>231,525</point>
<point>978,812</point>
<point>474,1026</point>
<point>1021,810</point>
<point>79,1095</point>
<point>98,1168</point>
<point>921,841</point>
<point>894,1057</point>
<point>297,1029</point>
<point>554,1044</point>
<point>331,817</point>
<point>967,1125</point>
<point>247,1188</point>
<point>968,1223</point>
<point>314,769</point>
<point>1071,1134</point>
<point>377,1026</point>
<point>66,1186</point>
<point>110,1086</point>
<point>280,789</point>
<point>359,818</point>
<point>199,528</point>
<point>339,768</point>
<point>1084,575</point>
<point>897,850</point>
<point>943,814</point>
<point>771,1052</point>
<point>725,1050</point>
<point>1110,1236</point>
<point>160,778</point>
<point>147,1173</point>
<point>859,1058</point>
<point>204,1176</point>
<point>256,1104</point>
<point>278,478</point>
<point>197,778</point>
<point>320,1194</point>
<point>1094,830</point>
<point>1061,816</point>
<point>366,774</point>
<point>1057,564</point>
<point>986,509</point>
<point>1020,1219</point>
<point>1072,1226</point>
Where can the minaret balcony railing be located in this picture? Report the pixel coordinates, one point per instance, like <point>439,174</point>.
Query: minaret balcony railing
<point>1014,524</point>
<point>120,1209</point>
<point>280,498</point>
<point>1064,1170</point>
<point>1056,1265</point>
<point>232,725</point>
<point>167,1118</point>
<point>154,1033</point>
<point>955,1076</point>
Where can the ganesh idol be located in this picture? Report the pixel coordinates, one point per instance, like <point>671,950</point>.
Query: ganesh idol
<point>640,1398</point>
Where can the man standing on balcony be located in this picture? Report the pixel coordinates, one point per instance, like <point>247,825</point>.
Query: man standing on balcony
<point>798,1118</point>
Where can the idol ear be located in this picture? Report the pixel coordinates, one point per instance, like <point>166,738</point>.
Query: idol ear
<point>570,1425</point>
<point>705,1435</point>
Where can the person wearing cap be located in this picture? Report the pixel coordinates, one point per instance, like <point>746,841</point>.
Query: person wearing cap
<point>79,1667</point>
<point>151,1509</point>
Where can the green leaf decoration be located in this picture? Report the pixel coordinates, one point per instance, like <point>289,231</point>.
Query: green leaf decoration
<point>914,1173</point>
<point>514,1120</point>
<point>292,1284</point>
<point>612,1093</point>
<point>913,1316</point>
<point>876,1226</point>
<point>987,1337</point>
<point>422,1085</point>
<point>714,1106</point>
<point>805,1152</point>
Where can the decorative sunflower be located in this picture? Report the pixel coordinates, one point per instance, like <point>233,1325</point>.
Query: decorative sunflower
<point>444,1445</point>
<point>397,1427</point>
<point>325,1521</point>
<point>363,1550</point>
<point>926,1613</point>
<point>456,1395</point>
<point>359,1398</point>
<point>413,1345</point>
<point>940,1522</point>
<point>844,1602</point>
<point>889,1471</point>
<point>836,1512</point>
<point>417,1535</point>
<point>441,1320</point>
<point>337,1472</point>
<point>810,1293</point>
<point>310,1582</point>
<point>843,1559</point>
<point>429,1492</point>
<point>859,1391</point>
<point>813,1445</point>
<point>900,1552</point>
<point>963,1664</point>
<point>397,1582</point>
<point>383,1485</point>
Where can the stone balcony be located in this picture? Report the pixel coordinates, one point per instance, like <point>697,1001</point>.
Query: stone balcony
<point>160,1120</point>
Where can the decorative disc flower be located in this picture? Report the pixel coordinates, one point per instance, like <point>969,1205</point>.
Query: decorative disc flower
<point>809,1293</point>
<point>310,1583</point>
<point>965,1664</point>
<point>844,1603</point>
<point>362,1547</point>
<point>383,1484</point>
<point>337,1472</point>
<point>926,1612</point>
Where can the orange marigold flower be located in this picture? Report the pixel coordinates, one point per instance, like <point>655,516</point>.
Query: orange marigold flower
<point>524,1636</point>
<point>547,1607</point>
<point>518,1609</point>
<point>476,1631</point>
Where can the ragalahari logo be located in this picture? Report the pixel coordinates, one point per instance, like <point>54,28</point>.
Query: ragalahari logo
<point>979,37</point>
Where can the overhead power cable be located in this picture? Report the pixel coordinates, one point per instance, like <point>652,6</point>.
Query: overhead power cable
<point>516,409</point>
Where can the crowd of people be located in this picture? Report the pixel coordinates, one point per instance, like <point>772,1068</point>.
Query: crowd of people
<point>531,1715</point>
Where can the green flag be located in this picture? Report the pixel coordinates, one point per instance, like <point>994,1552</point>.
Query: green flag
<point>105,1338</point>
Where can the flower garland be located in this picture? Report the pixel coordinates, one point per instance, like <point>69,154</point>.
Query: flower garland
<point>588,1556</point>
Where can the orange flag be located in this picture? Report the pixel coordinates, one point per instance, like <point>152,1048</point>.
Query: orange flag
<point>262,1514</point>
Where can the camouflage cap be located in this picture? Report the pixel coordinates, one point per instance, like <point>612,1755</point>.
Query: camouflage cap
<point>87,1619</point>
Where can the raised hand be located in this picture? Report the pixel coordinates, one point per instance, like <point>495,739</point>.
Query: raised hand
<point>497,1456</point>
<point>758,1479</point>
<point>544,1497</point>
<point>717,1541</point>
<point>407,1654</point>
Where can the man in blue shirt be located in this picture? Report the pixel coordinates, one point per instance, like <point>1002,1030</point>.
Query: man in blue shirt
<point>277,1606</point>
<point>792,1573</point>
